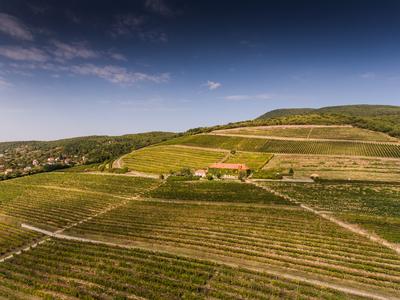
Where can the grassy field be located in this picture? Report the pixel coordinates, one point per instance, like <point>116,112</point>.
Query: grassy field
<point>253,160</point>
<point>313,132</point>
<point>163,159</point>
<point>60,269</point>
<point>290,146</point>
<point>375,206</point>
<point>256,235</point>
<point>216,191</point>
<point>336,167</point>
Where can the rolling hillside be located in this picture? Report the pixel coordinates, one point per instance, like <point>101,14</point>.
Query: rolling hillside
<point>316,217</point>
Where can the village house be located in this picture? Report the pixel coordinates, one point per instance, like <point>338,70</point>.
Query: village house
<point>35,162</point>
<point>8,171</point>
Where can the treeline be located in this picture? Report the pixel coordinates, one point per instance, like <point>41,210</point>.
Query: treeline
<point>100,148</point>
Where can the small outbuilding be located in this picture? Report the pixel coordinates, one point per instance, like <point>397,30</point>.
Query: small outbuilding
<point>200,173</point>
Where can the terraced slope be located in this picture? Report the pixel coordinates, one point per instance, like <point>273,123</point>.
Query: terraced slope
<point>163,159</point>
<point>291,146</point>
<point>86,271</point>
<point>279,238</point>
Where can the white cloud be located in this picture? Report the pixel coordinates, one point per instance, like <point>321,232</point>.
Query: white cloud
<point>247,97</point>
<point>73,50</point>
<point>14,27</point>
<point>117,56</point>
<point>212,85</point>
<point>117,74</point>
<point>159,7</point>
<point>368,75</point>
<point>25,54</point>
<point>237,97</point>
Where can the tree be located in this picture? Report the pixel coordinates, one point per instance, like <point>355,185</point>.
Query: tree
<point>291,172</point>
<point>242,175</point>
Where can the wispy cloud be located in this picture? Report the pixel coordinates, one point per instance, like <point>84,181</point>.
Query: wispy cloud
<point>38,9</point>
<point>117,74</point>
<point>13,27</point>
<point>126,24</point>
<point>73,17</point>
<point>24,54</point>
<point>117,56</point>
<point>212,85</point>
<point>4,83</point>
<point>64,51</point>
<point>368,75</point>
<point>159,7</point>
<point>248,97</point>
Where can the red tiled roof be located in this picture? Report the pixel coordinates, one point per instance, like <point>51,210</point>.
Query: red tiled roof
<point>229,166</point>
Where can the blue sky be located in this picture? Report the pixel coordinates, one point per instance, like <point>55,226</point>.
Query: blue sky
<point>75,68</point>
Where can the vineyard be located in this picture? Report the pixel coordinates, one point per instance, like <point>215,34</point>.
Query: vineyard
<point>216,191</point>
<point>159,239</point>
<point>253,160</point>
<point>116,185</point>
<point>332,148</point>
<point>163,159</point>
<point>374,206</point>
<point>57,200</point>
<point>87,271</point>
<point>338,167</point>
<point>291,146</point>
<point>220,142</point>
<point>12,235</point>
<point>313,132</point>
<point>314,247</point>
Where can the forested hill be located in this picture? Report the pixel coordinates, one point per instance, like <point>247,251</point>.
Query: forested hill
<point>80,150</point>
